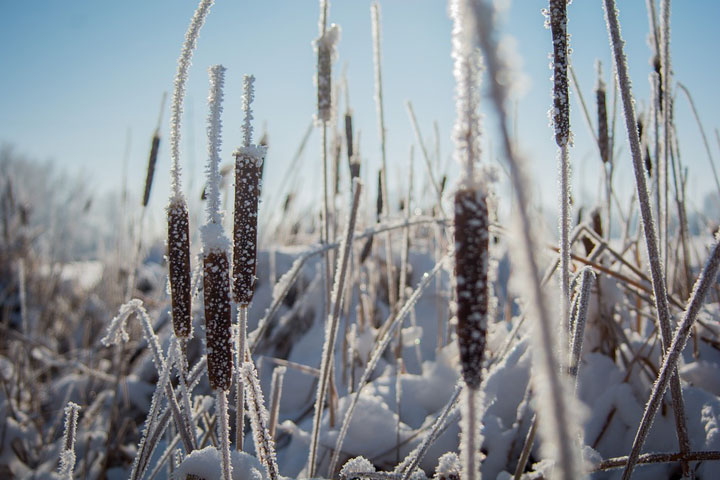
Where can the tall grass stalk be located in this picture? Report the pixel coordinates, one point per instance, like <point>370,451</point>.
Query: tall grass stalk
<point>275,394</point>
<point>667,107</point>
<point>651,243</point>
<point>559,424</point>
<point>331,326</point>
<point>703,285</point>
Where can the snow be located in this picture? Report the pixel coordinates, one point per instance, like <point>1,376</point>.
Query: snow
<point>205,463</point>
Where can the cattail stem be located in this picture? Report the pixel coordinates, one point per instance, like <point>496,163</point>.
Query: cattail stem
<point>224,433</point>
<point>241,345</point>
<point>176,108</point>
<point>651,243</point>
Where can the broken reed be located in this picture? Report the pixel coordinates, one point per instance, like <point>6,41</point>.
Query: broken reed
<point>179,266</point>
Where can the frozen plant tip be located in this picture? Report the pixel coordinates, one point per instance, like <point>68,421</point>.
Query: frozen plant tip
<point>67,455</point>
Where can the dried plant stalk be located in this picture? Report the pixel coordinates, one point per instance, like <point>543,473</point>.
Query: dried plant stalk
<point>179,267</point>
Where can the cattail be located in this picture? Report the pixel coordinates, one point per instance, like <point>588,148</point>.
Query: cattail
<point>216,279</point>
<point>151,167</point>
<point>471,268</point>
<point>349,138</point>
<point>179,266</point>
<point>248,170</point>
<point>325,47</point>
<point>178,219</point>
<point>600,97</point>
<point>561,100</point>
<point>154,148</point>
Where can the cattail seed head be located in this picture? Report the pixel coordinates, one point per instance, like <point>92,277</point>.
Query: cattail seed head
<point>561,101</point>
<point>600,96</point>
<point>216,289</point>
<point>248,177</point>
<point>151,168</point>
<point>471,273</point>
<point>248,169</point>
<point>325,46</point>
<point>178,246</point>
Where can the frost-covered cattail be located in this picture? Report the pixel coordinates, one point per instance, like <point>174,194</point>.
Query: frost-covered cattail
<point>152,160</point>
<point>326,51</point>
<point>472,241</point>
<point>216,279</point>
<point>178,220</point>
<point>154,148</point>
<point>561,100</point>
<point>600,98</point>
<point>179,266</point>
<point>472,237</point>
<point>248,171</point>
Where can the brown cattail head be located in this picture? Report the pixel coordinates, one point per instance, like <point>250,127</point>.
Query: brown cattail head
<point>379,201</point>
<point>248,170</point>
<point>216,290</point>
<point>325,46</point>
<point>561,100</point>
<point>151,167</point>
<point>178,245</point>
<point>471,274</point>
<point>600,97</point>
<point>349,137</point>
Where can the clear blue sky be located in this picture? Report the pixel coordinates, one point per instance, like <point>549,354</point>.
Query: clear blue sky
<point>77,76</point>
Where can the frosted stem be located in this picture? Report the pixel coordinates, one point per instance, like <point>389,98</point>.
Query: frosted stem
<point>703,284</point>
<point>651,243</point>
<point>331,326</point>
<point>224,433</point>
<point>176,108</point>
